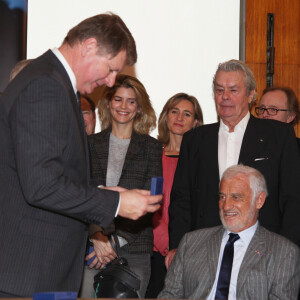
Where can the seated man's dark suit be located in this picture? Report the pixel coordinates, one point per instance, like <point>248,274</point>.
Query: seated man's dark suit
<point>269,146</point>
<point>270,268</point>
<point>45,200</point>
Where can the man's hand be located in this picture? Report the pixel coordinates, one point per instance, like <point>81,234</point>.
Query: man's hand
<point>136,203</point>
<point>169,257</point>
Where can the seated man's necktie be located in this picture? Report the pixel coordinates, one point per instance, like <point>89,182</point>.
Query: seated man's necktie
<point>226,266</point>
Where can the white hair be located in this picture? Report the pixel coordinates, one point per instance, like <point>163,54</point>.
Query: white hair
<point>257,181</point>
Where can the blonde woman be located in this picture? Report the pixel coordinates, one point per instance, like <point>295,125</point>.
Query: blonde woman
<point>123,154</point>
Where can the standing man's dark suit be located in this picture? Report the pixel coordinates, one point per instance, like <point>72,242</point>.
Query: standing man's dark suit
<point>45,202</point>
<point>268,146</point>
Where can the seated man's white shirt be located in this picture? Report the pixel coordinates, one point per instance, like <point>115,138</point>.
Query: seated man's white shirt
<point>229,144</point>
<point>240,248</point>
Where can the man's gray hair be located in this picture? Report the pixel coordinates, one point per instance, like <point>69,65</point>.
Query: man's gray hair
<point>256,179</point>
<point>238,65</point>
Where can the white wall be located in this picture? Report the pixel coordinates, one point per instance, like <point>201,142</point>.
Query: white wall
<point>179,42</point>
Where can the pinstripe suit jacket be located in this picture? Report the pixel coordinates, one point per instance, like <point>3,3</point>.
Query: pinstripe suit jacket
<point>142,162</point>
<point>45,200</point>
<point>270,268</point>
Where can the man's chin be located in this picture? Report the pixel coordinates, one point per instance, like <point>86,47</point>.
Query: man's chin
<point>89,89</point>
<point>230,226</point>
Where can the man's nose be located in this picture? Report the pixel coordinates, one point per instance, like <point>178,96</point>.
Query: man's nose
<point>85,120</point>
<point>265,114</point>
<point>225,94</point>
<point>110,79</point>
<point>228,203</point>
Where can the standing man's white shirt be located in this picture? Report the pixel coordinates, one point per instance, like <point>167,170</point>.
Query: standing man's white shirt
<point>240,248</point>
<point>230,143</point>
<point>68,69</point>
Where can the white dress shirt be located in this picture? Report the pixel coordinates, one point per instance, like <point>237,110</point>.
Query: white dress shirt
<point>67,68</point>
<point>240,248</point>
<point>229,144</point>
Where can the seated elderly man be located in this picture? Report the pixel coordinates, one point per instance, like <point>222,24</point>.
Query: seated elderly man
<point>241,259</point>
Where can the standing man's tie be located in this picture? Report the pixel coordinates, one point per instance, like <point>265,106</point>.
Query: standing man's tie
<point>226,266</point>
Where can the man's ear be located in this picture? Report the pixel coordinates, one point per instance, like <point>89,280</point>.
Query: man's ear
<point>88,46</point>
<point>251,96</point>
<point>195,123</point>
<point>291,117</point>
<point>260,200</point>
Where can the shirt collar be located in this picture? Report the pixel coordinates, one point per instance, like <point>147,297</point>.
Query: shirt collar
<point>241,126</point>
<point>245,235</point>
<point>71,74</point>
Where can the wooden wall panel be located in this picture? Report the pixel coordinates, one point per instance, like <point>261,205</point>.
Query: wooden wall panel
<point>286,42</point>
<point>259,71</point>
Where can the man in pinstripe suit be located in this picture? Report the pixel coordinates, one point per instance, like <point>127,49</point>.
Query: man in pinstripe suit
<point>265,265</point>
<point>46,202</point>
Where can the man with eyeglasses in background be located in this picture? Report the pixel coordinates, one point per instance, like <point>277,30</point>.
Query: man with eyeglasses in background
<point>281,104</point>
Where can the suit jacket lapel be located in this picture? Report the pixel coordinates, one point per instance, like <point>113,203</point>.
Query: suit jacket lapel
<point>210,142</point>
<point>102,148</point>
<point>253,255</point>
<point>77,108</point>
<point>65,79</point>
<point>253,142</point>
<point>213,249</point>
<point>82,133</point>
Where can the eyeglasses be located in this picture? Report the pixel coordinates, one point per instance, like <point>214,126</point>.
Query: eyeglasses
<point>270,110</point>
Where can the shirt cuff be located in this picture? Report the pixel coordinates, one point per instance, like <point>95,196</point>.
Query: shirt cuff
<point>117,211</point>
